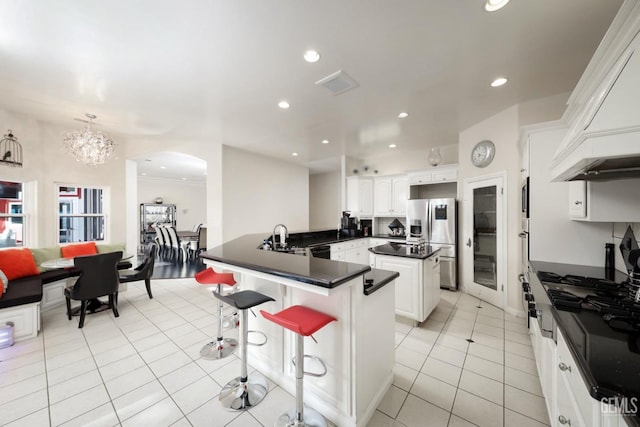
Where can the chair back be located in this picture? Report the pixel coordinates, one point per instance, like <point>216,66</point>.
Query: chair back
<point>202,238</point>
<point>159,236</point>
<point>196,227</point>
<point>98,275</point>
<point>145,270</point>
<point>165,235</point>
<point>173,235</point>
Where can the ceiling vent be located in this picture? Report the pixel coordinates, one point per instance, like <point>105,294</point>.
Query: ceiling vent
<point>338,82</point>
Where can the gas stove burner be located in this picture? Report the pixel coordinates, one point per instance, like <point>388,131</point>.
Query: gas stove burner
<point>590,282</point>
<point>546,276</point>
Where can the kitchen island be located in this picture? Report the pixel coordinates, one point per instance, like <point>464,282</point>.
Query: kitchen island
<point>417,290</point>
<point>358,349</point>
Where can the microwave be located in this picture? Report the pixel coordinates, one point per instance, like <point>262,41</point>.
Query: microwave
<point>525,198</point>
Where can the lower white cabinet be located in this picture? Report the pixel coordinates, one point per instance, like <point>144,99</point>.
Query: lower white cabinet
<point>354,251</point>
<point>566,394</point>
<point>418,287</point>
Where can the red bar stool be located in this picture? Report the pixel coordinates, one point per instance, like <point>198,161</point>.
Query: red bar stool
<point>221,347</point>
<point>304,322</point>
<point>244,391</point>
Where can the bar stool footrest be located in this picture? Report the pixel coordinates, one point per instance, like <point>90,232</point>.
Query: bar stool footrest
<point>317,359</point>
<point>258,344</point>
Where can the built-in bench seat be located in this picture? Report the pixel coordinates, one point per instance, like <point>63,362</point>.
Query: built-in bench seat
<point>25,297</point>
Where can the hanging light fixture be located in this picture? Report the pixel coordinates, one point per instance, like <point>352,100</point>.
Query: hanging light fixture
<point>88,146</point>
<point>10,151</point>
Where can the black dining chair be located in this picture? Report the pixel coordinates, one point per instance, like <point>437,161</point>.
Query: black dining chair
<point>142,272</point>
<point>98,277</point>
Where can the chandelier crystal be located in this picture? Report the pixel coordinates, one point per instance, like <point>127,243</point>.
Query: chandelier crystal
<point>88,146</point>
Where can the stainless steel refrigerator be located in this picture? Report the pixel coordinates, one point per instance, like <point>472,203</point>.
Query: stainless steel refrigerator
<point>435,222</point>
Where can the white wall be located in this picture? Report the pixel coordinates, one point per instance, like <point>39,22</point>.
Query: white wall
<point>324,200</point>
<point>190,199</point>
<point>503,130</point>
<point>553,236</point>
<point>260,192</point>
<point>46,163</point>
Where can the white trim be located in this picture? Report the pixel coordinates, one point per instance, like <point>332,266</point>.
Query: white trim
<point>503,249</point>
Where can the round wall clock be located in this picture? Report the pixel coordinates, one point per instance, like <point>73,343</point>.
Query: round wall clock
<point>482,154</point>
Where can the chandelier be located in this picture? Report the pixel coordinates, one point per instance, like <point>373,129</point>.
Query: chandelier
<point>88,146</point>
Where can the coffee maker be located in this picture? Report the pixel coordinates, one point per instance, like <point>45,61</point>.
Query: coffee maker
<point>348,225</point>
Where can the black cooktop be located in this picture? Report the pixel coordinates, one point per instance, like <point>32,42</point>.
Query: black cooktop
<point>601,324</point>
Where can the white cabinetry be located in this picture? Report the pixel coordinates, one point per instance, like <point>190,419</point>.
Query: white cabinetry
<point>418,287</point>
<point>524,159</point>
<point>390,195</point>
<point>447,173</point>
<point>338,252</point>
<point>605,201</point>
<point>357,251</point>
<point>360,196</point>
<point>603,108</point>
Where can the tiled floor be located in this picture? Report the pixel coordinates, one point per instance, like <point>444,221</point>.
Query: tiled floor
<point>143,368</point>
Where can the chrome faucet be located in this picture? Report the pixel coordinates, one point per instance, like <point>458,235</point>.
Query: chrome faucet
<point>284,233</point>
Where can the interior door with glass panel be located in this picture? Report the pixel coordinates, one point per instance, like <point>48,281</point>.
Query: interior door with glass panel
<point>484,233</point>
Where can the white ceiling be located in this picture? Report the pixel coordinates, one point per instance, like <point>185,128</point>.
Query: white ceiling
<point>215,70</point>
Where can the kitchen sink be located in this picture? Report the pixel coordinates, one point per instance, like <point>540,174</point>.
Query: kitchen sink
<point>288,250</point>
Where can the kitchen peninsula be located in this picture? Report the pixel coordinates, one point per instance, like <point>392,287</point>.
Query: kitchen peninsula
<point>358,349</point>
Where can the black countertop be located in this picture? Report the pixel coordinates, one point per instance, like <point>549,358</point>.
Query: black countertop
<point>243,252</point>
<point>307,239</point>
<point>404,250</point>
<point>608,359</point>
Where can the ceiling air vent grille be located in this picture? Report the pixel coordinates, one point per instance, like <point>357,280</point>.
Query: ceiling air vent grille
<point>338,82</point>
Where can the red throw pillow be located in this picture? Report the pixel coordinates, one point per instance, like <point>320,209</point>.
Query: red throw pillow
<point>17,263</point>
<point>79,249</point>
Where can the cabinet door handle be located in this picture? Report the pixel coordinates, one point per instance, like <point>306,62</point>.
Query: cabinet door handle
<point>564,367</point>
<point>469,242</point>
<point>563,420</point>
<point>577,202</point>
<point>523,234</point>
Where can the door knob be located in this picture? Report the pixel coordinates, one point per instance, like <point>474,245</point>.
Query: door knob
<point>469,242</point>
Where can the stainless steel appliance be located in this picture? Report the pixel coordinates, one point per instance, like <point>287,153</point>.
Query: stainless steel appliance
<point>435,222</point>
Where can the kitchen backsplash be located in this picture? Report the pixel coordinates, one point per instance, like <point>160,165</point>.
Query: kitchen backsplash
<point>619,228</point>
<point>382,224</point>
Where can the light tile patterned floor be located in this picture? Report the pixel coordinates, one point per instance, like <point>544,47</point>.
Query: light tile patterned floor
<point>143,368</point>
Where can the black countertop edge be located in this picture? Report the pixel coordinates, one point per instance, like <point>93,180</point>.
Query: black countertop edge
<point>403,250</point>
<point>329,284</point>
<point>596,391</point>
<point>347,239</point>
<point>379,279</point>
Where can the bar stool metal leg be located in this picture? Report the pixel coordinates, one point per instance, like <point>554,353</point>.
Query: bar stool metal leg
<point>244,391</point>
<point>221,347</point>
<point>300,416</point>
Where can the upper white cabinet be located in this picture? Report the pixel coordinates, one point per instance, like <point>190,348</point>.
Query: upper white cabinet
<point>439,174</point>
<point>360,196</point>
<point>605,201</point>
<point>390,195</point>
<point>604,109</point>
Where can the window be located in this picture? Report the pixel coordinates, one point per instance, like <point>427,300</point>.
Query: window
<point>11,217</point>
<point>81,213</point>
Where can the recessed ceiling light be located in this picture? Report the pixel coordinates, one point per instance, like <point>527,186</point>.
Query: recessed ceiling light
<point>499,81</point>
<point>283,104</point>
<point>294,154</point>
<point>311,56</point>
<point>392,145</point>
<point>163,167</point>
<point>143,174</point>
<point>184,179</point>
<point>493,5</point>
<point>325,141</point>
<point>403,115</point>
